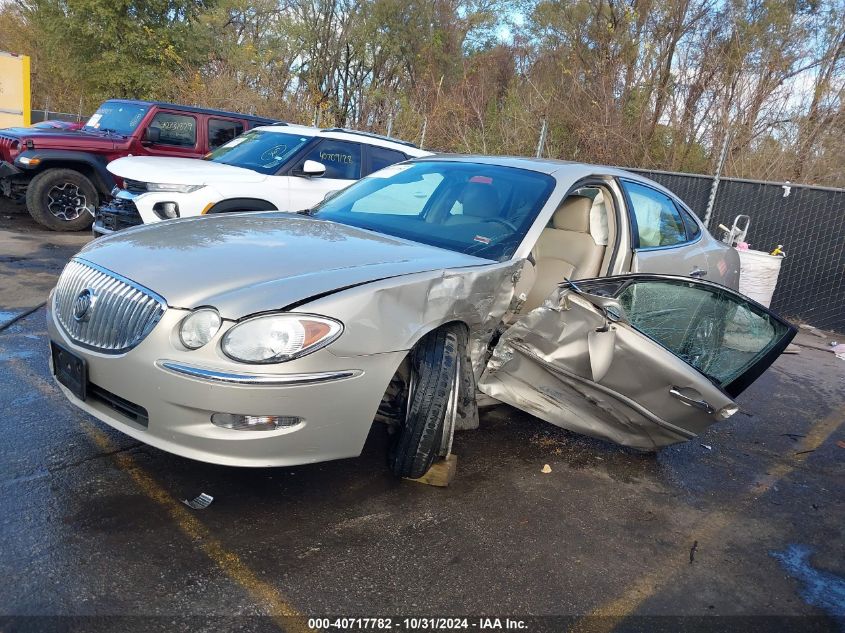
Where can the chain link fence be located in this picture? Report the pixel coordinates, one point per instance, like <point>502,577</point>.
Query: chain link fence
<point>47,115</point>
<point>808,221</point>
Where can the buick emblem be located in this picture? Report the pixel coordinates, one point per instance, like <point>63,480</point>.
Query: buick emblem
<point>83,305</point>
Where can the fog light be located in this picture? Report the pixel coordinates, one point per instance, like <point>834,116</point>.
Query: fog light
<point>254,422</point>
<point>166,210</point>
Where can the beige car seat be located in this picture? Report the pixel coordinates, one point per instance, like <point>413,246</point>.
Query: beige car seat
<point>479,201</point>
<point>565,250</point>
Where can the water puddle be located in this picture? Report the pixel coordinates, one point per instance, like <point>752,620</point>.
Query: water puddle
<point>8,315</point>
<point>818,588</point>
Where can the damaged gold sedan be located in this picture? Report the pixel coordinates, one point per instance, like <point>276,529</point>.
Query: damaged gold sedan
<point>574,292</point>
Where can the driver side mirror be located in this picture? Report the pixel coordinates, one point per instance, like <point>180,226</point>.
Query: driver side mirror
<point>151,135</point>
<point>311,169</point>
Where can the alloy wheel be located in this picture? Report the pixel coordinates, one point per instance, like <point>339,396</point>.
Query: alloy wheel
<point>66,201</point>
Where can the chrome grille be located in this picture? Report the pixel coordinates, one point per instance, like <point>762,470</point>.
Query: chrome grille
<point>120,313</point>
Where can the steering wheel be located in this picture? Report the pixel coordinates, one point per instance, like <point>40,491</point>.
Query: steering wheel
<point>504,222</point>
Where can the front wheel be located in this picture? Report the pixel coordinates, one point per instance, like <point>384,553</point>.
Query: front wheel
<point>432,405</point>
<point>62,200</point>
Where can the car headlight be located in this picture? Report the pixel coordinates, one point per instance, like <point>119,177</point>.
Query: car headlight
<point>167,187</point>
<point>199,327</point>
<point>275,338</point>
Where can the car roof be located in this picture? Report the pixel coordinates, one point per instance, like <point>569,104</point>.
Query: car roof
<point>355,136</point>
<point>198,110</point>
<point>560,169</point>
<point>542,165</point>
<point>290,128</point>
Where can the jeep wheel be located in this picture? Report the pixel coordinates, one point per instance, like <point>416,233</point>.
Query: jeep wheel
<point>432,405</point>
<point>62,200</point>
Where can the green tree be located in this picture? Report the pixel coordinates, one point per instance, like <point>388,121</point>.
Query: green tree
<point>117,48</point>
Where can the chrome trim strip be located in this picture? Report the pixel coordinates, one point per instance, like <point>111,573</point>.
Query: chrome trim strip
<point>125,280</point>
<point>264,380</point>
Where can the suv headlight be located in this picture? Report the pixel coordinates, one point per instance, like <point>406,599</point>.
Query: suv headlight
<point>275,338</point>
<point>167,187</point>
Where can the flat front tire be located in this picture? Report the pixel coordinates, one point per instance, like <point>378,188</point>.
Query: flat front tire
<point>62,200</point>
<point>432,403</point>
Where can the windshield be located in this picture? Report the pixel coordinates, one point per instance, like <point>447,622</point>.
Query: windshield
<point>259,150</point>
<point>482,210</point>
<point>121,118</point>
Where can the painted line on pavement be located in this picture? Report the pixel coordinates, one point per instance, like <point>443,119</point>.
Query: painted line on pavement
<point>607,616</point>
<point>280,609</point>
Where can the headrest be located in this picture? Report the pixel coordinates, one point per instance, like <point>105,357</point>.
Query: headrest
<point>480,200</point>
<point>573,215</point>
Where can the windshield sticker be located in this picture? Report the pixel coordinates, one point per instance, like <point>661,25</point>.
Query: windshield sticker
<point>484,180</point>
<point>94,121</point>
<point>482,239</point>
<point>276,152</point>
<point>387,172</point>
<point>236,142</point>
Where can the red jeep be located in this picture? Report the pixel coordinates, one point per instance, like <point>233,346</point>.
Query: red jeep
<point>61,174</point>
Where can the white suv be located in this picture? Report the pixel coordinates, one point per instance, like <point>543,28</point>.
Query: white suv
<point>283,167</point>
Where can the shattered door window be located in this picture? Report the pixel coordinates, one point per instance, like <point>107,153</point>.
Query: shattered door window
<point>714,330</point>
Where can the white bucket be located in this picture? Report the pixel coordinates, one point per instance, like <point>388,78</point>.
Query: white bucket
<point>758,275</point>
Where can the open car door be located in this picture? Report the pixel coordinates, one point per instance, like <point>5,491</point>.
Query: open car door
<point>642,360</point>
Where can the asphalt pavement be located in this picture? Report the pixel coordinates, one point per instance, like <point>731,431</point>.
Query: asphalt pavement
<point>746,520</point>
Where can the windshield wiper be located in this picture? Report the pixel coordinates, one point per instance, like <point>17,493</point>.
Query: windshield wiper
<point>308,212</point>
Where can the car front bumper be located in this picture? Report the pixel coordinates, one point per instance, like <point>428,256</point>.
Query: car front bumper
<point>13,181</point>
<point>189,204</point>
<point>336,398</point>
<point>115,215</point>
<point>7,170</point>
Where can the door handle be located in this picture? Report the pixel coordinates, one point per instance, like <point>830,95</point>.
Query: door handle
<point>698,272</point>
<point>691,402</point>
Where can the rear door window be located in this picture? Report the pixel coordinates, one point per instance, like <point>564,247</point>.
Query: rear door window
<point>381,157</point>
<point>179,130</point>
<point>221,131</point>
<point>658,220</point>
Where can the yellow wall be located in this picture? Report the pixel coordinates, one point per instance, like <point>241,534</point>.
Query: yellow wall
<point>14,90</point>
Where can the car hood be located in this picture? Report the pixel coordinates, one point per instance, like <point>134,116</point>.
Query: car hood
<point>182,171</point>
<point>52,138</point>
<point>247,263</point>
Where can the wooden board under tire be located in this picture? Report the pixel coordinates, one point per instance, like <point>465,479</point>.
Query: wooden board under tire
<point>441,473</point>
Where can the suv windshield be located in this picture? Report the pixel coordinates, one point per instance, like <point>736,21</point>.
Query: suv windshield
<point>482,210</point>
<point>121,118</point>
<point>259,150</point>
